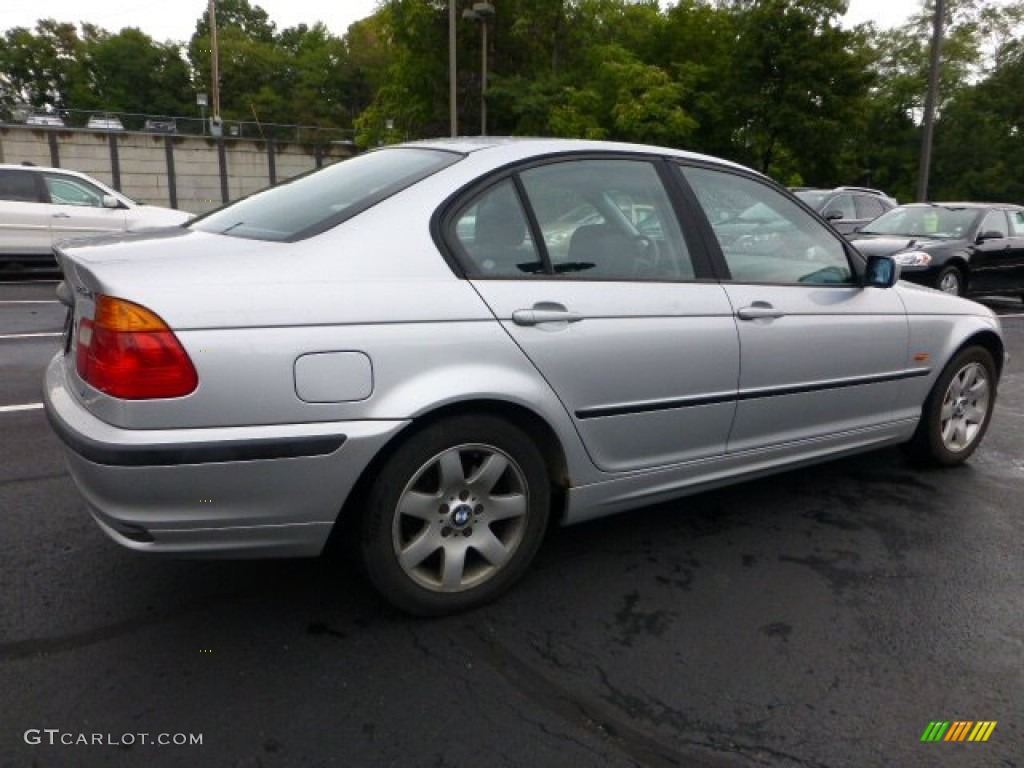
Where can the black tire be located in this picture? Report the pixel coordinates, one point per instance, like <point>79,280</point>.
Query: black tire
<point>958,410</point>
<point>455,515</point>
<point>950,280</point>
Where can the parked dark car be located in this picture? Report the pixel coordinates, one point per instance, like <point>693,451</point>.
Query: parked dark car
<point>959,248</point>
<point>846,208</point>
<point>164,125</point>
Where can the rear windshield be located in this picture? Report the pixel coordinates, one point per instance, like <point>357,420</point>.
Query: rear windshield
<point>313,203</point>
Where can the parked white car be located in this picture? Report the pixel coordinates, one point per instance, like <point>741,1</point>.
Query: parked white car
<point>40,207</point>
<point>105,123</point>
<point>53,121</point>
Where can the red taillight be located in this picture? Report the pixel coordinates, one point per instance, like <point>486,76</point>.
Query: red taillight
<point>129,352</point>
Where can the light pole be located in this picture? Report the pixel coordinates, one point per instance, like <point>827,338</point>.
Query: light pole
<point>482,13</point>
<point>453,118</point>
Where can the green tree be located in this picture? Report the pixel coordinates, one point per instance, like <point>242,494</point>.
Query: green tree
<point>130,72</point>
<point>797,88</point>
<point>40,68</point>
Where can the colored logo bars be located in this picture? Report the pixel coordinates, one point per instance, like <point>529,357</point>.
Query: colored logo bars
<point>958,730</point>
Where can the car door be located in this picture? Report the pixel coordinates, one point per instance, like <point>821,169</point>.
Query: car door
<point>1015,278</point>
<point>821,357</point>
<point>77,209</point>
<point>995,255</point>
<point>585,265</point>
<point>24,217</point>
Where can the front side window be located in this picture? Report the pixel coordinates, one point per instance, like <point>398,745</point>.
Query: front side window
<point>869,207</point>
<point>313,203</point>
<point>765,237</point>
<point>67,191</point>
<point>995,223</point>
<point>841,204</point>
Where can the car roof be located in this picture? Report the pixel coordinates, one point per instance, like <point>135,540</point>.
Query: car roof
<point>525,147</point>
<point>961,205</point>
<point>40,168</point>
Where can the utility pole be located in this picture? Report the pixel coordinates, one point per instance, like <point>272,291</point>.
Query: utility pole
<point>930,100</point>
<point>214,70</point>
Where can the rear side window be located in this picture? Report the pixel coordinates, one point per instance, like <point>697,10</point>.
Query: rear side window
<point>603,219</point>
<point>19,186</point>
<point>313,203</point>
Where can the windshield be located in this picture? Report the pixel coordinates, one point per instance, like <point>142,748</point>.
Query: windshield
<point>944,223</point>
<point>315,202</point>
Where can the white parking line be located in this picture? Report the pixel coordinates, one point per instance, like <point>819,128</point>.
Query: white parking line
<point>48,335</point>
<point>23,407</point>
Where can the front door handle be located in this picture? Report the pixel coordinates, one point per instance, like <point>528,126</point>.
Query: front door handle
<point>62,215</point>
<point>537,315</point>
<point>759,310</point>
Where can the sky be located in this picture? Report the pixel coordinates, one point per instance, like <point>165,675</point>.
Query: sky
<point>176,19</point>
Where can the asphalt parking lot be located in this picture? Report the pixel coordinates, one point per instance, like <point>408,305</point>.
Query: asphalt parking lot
<point>824,617</point>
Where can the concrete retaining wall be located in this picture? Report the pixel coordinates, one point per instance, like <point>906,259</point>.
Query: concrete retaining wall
<point>193,173</point>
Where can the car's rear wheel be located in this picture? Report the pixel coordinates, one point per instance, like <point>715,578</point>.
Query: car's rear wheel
<point>950,280</point>
<point>957,412</point>
<point>455,515</point>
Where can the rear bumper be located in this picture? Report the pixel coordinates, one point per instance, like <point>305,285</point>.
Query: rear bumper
<point>268,490</point>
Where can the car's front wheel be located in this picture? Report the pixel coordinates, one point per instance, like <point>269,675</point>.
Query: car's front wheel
<point>455,515</point>
<point>950,280</point>
<point>958,410</point>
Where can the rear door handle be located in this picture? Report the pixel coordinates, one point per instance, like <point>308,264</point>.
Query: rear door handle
<point>536,316</point>
<point>759,310</point>
<point>62,215</point>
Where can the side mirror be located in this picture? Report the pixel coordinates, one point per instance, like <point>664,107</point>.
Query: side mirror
<point>991,234</point>
<point>833,214</point>
<point>881,272</point>
<point>109,201</point>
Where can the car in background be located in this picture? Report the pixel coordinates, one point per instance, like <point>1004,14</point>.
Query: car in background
<point>967,249</point>
<point>437,391</point>
<point>42,206</point>
<point>105,123</point>
<point>164,125</point>
<point>53,121</point>
<point>846,208</point>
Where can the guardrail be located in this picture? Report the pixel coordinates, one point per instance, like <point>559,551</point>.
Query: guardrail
<point>189,126</point>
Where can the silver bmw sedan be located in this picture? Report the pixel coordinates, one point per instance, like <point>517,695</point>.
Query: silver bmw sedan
<point>441,347</point>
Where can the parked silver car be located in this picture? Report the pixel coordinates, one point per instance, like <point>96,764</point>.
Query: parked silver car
<point>390,347</point>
